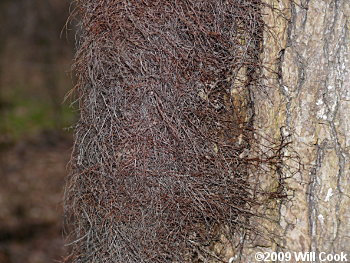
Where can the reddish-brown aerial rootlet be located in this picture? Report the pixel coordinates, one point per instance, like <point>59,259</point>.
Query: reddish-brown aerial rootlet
<point>161,164</point>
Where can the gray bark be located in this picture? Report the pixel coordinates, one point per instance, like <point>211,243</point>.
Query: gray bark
<point>310,99</point>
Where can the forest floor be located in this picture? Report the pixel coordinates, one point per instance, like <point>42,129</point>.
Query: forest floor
<point>32,174</point>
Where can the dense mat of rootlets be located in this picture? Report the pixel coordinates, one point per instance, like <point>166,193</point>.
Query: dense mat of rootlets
<point>159,168</point>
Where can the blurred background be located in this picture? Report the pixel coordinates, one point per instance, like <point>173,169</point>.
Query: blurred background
<point>36,52</point>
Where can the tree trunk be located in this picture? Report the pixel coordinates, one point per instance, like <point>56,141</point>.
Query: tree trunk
<point>306,101</point>
<point>309,102</point>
